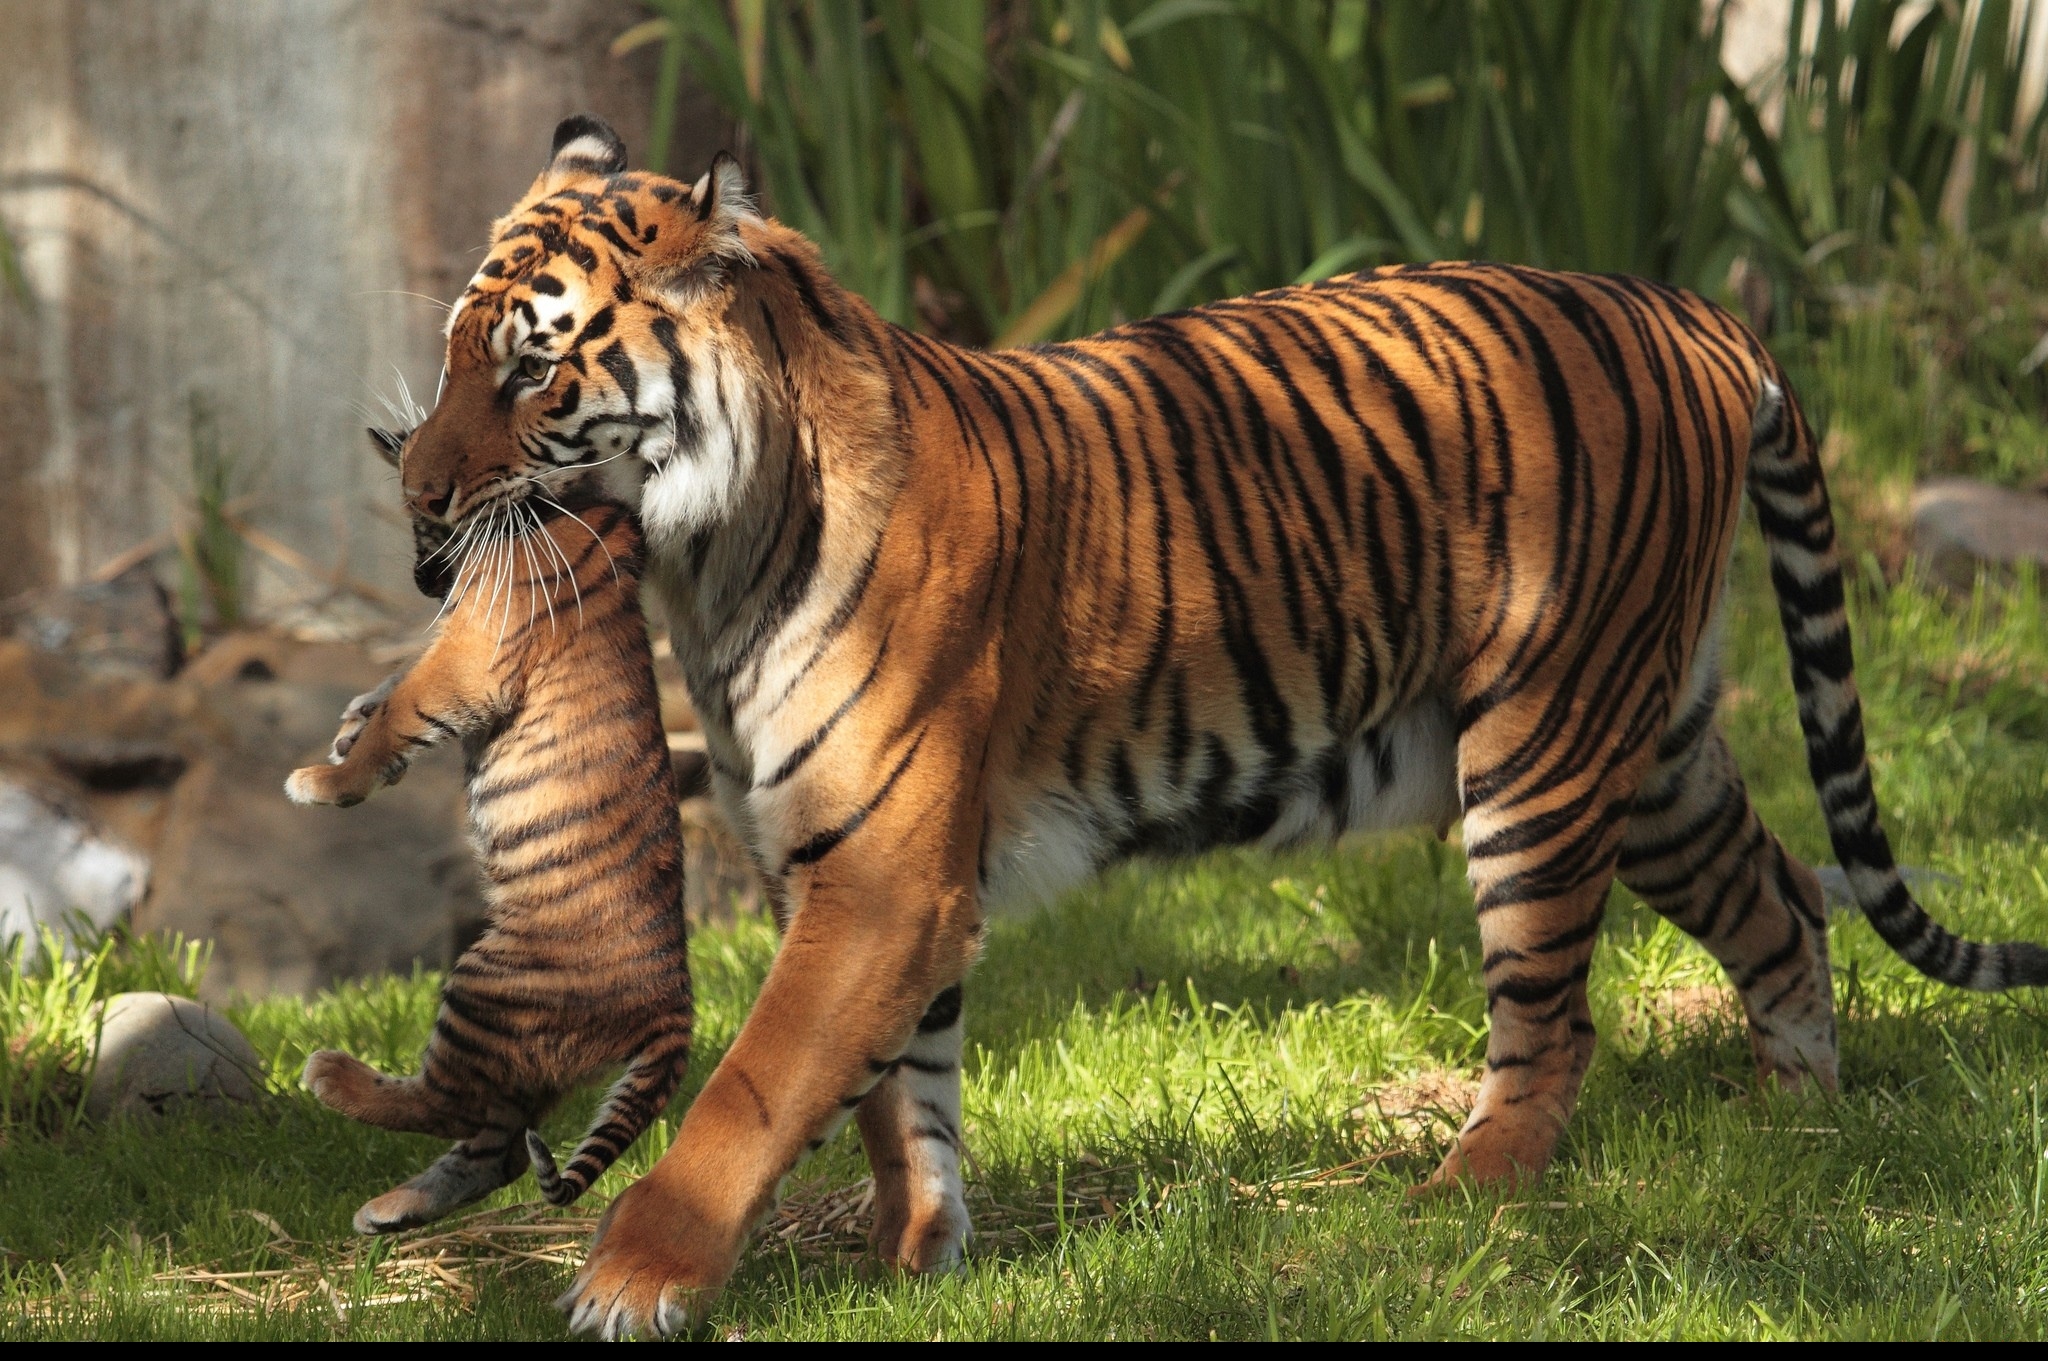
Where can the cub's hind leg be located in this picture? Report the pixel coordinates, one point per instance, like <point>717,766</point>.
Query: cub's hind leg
<point>641,1093</point>
<point>1696,852</point>
<point>491,1153</point>
<point>468,1172</point>
<point>910,1125</point>
<point>408,1105</point>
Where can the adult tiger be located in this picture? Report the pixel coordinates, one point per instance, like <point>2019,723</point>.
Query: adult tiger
<point>964,627</point>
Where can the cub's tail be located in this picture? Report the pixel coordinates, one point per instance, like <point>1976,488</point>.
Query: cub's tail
<point>639,1095</point>
<point>1791,501</point>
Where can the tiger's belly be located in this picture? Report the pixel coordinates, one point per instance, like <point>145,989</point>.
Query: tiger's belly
<point>1401,773</point>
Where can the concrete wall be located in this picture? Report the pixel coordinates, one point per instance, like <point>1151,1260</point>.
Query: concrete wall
<point>225,209</point>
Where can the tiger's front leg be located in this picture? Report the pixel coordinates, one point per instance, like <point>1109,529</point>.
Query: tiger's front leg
<point>885,920</point>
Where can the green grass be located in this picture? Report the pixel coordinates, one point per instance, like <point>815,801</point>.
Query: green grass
<point>1157,1056</point>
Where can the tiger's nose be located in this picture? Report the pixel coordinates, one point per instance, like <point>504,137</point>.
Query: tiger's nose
<point>433,501</point>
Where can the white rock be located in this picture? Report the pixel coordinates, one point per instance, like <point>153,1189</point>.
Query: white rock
<point>55,868</point>
<point>157,1051</point>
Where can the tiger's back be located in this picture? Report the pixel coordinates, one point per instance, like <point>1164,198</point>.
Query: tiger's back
<point>1288,548</point>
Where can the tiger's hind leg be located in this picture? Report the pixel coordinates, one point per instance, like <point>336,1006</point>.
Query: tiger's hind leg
<point>1546,804</point>
<point>910,1126</point>
<point>466,1173</point>
<point>1696,852</point>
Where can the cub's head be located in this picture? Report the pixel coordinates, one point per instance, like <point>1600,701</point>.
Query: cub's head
<point>595,341</point>
<point>433,564</point>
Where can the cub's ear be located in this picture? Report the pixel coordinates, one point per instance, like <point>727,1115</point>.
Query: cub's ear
<point>387,443</point>
<point>585,145</point>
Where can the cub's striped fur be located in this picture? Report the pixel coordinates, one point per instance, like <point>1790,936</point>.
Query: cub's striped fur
<point>541,668</point>
<point>1395,548</point>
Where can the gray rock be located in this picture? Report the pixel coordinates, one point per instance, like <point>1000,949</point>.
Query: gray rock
<point>58,870</point>
<point>122,627</point>
<point>157,1052</point>
<point>1960,525</point>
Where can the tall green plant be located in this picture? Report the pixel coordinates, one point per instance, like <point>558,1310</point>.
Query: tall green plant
<point>1021,170</point>
<point>1893,121</point>
<point>12,282</point>
<point>210,548</point>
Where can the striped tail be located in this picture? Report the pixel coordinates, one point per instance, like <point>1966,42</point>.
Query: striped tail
<point>1791,501</point>
<point>640,1094</point>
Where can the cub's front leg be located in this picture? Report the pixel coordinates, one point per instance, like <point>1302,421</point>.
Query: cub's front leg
<point>381,731</point>
<point>358,714</point>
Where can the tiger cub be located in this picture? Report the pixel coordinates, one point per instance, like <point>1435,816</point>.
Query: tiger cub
<point>542,667</point>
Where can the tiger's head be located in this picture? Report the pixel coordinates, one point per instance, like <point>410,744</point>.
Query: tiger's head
<point>594,341</point>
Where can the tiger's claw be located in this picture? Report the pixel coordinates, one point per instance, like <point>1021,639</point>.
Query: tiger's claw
<point>644,1276</point>
<point>357,716</point>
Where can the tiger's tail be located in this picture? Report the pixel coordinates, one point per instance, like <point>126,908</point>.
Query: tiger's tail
<point>639,1095</point>
<point>1791,501</point>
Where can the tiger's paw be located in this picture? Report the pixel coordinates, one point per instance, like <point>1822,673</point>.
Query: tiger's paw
<point>647,1275</point>
<point>926,1240</point>
<point>400,1208</point>
<point>1499,1164</point>
<point>325,784</point>
<point>461,1176</point>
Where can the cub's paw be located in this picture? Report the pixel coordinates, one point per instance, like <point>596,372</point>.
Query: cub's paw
<point>339,1080</point>
<point>323,784</point>
<point>357,716</point>
<point>645,1276</point>
<point>461,1176</point>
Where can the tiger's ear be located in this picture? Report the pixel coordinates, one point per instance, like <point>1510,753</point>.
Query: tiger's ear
<point>719,197</point>
<point>585,145</point>
<point>387,443</point>
<point>694,236</point>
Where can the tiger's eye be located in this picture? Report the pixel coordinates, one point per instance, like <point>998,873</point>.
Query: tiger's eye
<point>535,367</point>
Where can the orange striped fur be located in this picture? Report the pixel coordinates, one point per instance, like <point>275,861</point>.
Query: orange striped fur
<point>1392,549</point>
<point>541,668</point>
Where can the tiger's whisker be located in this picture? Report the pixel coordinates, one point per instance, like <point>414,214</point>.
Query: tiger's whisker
<point>463,570</point>
<point>565,567</point>
<point>548,543</point>
<point>494,564</point>
<point>511,586</point>
<point>593,533</point>
<point>533,574</point>
<point>468,528</point>
<point>500,577</point>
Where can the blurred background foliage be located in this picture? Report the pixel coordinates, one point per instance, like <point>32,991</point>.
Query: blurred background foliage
<point>1002,171</point>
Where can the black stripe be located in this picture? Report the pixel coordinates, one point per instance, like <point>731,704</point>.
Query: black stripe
<point>822,845</point>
